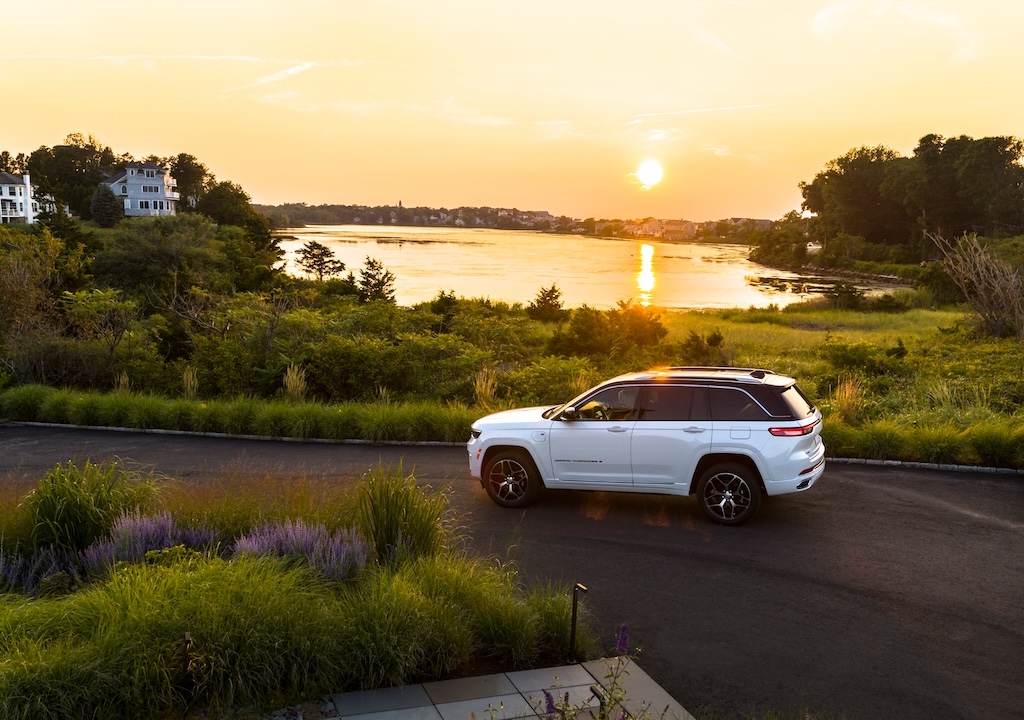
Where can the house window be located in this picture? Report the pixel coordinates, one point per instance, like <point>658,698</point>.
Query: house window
<point>150,173</point>
<point>124,189</point>
<point>144,204</point>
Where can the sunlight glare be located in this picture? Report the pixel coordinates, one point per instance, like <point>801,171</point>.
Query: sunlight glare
<point>645,278</point>
<point>649,173</point>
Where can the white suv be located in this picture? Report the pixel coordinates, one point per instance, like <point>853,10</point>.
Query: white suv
<point>728,435</point>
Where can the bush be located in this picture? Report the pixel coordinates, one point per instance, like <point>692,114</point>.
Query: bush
<point>840,439</point>
<point>881,440</point>
<point>997,444</point>
<point>25,402</point>
<point>400,520</point>
<point>71,507</point>
<point>941,444</point>
<point>335,556</point>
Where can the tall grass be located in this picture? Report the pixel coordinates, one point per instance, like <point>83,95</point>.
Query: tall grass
<point>71,507</point>
<point>401,521</point>
<point>186,632</point>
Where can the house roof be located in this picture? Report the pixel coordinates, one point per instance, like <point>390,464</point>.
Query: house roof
<point>7,179</point>
<point>116,177</point>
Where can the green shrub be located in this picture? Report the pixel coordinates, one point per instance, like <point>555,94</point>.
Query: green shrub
<point>177,415</point>
<point>145,411</point>
<point>272,419</point>
<point>997,444</point>
<point>840,439</point>
<point>239,415</point>
<point>88,409</point>
<point>259,631</point>
<point>57,407</point>
<point>398,519</point>
<point>939,444</point>
<point>308,420</point>
<point>880,440</point>
<point>71,506</point>
<point>209,416</point>
<point>24,403</point>
<point>341,422</point>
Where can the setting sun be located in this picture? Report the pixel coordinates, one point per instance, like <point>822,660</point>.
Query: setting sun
<point>649,173</point>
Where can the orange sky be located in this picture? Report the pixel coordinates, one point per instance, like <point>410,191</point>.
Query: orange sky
<point>537,105</point>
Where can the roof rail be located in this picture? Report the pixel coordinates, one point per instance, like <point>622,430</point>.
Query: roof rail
<point>753,372</point>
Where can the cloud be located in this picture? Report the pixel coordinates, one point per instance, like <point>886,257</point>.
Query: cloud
<point>851,15</point>
<point>275,77</point>
<point>450,110</point>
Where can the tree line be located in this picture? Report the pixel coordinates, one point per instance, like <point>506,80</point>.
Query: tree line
<point>874,204</point>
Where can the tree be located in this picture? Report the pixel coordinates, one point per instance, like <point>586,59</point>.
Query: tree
<point>70,172</point>
<point>375,282</point>
<point>547,306</point>
<point>847,196</point>
<point>316,259</point>
<point>155,255</point>
<point>13,164</point>
<point>106,208</point>
<point>193,178</point>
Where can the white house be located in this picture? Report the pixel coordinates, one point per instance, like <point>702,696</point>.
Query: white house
<point>18,203</point>
<point>145,189</point>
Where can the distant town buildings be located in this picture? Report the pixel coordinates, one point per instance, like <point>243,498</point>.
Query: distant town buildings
<point>145,189</point>
<point>18,203</point>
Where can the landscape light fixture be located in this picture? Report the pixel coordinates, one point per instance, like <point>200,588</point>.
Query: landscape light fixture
<point>577,588</point>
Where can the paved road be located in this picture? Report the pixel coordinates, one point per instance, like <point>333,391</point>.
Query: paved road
<point>882,593</point>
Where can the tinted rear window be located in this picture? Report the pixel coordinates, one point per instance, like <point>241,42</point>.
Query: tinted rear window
<point>798,402</point>
<point>736,405</point>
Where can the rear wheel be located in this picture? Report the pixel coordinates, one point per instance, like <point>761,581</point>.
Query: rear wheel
<point>729,493</point>
<point>511,479</point>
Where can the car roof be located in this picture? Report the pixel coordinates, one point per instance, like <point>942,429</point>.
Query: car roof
<point>754,376</point>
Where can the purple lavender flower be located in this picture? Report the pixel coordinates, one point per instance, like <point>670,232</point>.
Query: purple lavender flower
<point>549,705</point>
<point>622,646</point>
<point>336,556</point>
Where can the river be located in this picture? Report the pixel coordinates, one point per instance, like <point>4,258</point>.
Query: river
<point>600,272</point>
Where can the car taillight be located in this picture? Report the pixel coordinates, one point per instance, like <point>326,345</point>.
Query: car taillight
<point>793,431</point>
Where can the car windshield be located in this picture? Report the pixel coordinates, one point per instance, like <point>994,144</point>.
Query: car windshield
<point>551,412</point>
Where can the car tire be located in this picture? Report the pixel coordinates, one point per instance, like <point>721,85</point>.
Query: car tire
<point>511,479</point>
<point>729,493</point>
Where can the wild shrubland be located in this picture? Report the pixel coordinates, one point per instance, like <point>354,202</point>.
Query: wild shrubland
<point>322,359</point>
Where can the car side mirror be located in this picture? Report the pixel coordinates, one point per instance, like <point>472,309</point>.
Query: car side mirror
<point>569,413</point>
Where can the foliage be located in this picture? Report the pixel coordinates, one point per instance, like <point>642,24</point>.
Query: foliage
<point>992,288</point>
<point>336,556</point>
<point>947,187</point>
<point>71,507</point>
<point>399,520</point>
<point>318,260</point>
<point>375,282</point>
<point>106,208</point>
<point>70,172</point>
<point>548,305</point>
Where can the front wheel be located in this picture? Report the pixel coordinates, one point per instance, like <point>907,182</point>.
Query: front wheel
<point>729,493</point>
<point>511,479</point>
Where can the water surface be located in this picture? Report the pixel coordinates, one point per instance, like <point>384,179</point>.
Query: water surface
<point>600,272</point>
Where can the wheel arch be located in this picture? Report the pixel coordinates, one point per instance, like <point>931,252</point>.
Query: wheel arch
<point>713,459</point>
<point>502,446</point>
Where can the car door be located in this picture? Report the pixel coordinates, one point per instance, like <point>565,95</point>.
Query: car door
<point>593,445</point>
<point>673,431</point>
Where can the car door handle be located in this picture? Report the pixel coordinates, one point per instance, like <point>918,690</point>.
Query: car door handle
<point>617,428</point>
<point>694,429</point>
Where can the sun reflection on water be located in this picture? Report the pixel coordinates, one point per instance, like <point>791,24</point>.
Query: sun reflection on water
<point>645,278</point>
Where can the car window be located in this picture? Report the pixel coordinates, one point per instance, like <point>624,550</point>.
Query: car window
<point>734,404</point>
<point>614,403</point>
<point>669,402</point>
<point>798,402</point>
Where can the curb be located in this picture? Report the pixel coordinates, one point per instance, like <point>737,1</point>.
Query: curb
<point>905,464</point>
